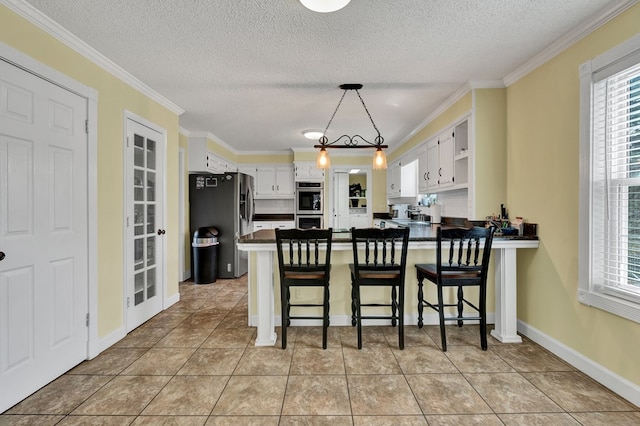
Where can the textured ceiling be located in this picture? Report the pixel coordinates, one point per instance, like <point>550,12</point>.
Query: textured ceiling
<point>256,73</point>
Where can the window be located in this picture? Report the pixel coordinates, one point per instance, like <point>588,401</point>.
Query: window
<point>610,181</point>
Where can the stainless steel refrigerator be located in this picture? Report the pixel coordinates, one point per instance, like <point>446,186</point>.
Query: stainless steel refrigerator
<point>225,202</point>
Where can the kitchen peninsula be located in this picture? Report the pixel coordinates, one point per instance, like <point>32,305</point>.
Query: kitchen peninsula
<point>263,276</point>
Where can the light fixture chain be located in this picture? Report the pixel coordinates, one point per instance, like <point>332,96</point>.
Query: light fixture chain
<point>367,111</point>
<point>334,113</point>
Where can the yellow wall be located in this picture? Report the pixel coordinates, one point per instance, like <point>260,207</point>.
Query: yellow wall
<point>114,97</point>
<point>490,111</point>
<point>542,181</point>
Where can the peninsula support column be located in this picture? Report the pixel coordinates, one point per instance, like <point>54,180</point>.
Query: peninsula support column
<point>266,335</point>
<point>506,297</point>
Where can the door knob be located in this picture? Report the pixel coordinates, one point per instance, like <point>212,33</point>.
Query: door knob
<point>1,255</point>
<point>161,231</point>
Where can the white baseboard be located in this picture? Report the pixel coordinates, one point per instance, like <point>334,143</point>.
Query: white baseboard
<point>623,387</point>
<point>185,276</point>
<point>97,347</point>
<point>106,342</point>
<point>172,300</point>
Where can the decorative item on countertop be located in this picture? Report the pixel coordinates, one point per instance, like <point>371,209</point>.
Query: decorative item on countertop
<point>517,226</point>
<point>436,210</point>
<point>501,223</point>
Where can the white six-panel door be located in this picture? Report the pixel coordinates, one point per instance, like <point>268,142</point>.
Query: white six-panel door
<point>43,232</point>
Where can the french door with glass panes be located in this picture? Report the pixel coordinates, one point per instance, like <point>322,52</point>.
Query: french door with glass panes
<point>145,234</point>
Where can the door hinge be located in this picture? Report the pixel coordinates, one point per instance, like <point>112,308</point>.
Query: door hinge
<point>128,302</point>
<point>127,221</point>
<point>87,320</point>
<point>86,126</point>
<point>127,141</point>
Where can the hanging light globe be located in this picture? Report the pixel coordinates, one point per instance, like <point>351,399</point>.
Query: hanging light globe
<point>324,6</point>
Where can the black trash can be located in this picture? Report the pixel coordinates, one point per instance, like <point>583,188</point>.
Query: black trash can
<point>205,255</point>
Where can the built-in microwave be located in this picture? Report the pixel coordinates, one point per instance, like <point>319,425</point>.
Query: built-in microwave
<point>309,198</point>
<point>309,221</point>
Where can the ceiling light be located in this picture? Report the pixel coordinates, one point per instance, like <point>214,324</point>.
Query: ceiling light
<point>324,6</point>
<point>312,134</point>
<point>323,161</point>
<point>346,141</point>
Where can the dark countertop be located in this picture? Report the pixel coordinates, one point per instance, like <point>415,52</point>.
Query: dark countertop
<point>273,216</point>
<point>416,233</point>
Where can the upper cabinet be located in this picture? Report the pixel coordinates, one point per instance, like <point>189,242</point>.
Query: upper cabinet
<point>461,155</point>
<point>274,182</point>
<point>443,161</point>
<point>394,179</point>
<point>308,172</point>
<point>401,179</point>
<point>201,160</point>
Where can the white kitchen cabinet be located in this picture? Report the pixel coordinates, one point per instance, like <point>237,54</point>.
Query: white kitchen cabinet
<point>402,179</point>
<point>359,220</point>
<point>445,160</point>
<point>274,182</point>
<point>258,226</point>
<point>461,155</point>
<point>265,224</point>
<point>283,224</point>
<point>308,172</point>
<point>202,160</point>
<point>439,167</point>
<point>423,170</point>
<point>432,164</point>
<point>394,179</point>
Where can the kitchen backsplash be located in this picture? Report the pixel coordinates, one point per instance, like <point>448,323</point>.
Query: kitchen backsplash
<point>454,203</point>
<point>275,206</point>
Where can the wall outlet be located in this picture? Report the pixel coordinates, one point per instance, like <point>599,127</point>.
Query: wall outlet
<point>228,267</point>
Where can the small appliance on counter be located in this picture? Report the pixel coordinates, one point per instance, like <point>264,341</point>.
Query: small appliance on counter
<point>399,211</point>
<point>435,210</point>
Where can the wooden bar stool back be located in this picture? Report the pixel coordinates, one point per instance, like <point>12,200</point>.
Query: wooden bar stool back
<point>379,260</point>
<point>304,260</point>
<point>458,264</point>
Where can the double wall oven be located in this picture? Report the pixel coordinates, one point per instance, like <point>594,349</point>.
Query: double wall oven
<point>309,205</point>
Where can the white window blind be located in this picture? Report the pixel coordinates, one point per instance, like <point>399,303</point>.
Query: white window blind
<point>615,184</point>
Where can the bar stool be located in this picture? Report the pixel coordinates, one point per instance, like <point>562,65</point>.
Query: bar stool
<point>381,266</point>
<point>304,260</point>
<point>458,264</point>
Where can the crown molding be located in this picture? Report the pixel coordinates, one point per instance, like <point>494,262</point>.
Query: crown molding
<point>183,131</point>
<point>487,84</point>
<point>450,101</point>
<point>215,139</point>
<point>287,151</point>
<point>55,30</point>
<point>569,39</point>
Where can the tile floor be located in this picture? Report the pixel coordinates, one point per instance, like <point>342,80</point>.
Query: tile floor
<point>196,364</point>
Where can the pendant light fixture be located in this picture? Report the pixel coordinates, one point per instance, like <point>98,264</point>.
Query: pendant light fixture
<point>355,141</point>
<point>324,6</point>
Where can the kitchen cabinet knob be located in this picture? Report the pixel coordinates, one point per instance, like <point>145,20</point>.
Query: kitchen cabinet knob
<point>1,255</point>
